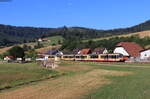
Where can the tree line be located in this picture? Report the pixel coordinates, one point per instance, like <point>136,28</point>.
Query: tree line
<point>74,43</point>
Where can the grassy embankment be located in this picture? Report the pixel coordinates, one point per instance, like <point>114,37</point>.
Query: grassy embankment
<point>12,75</point>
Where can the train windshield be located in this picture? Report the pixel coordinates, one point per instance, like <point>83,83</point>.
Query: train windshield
<point>83,57</point>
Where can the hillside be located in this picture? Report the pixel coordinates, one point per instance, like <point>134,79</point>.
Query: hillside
<point>140,34</point>
<point>47,45</point>
<point>10,35</point>
<point>47,48</point>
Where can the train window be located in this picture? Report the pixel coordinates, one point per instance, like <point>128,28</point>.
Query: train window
<point>104,56</point>
<point>109,56</point>
<point>51,57</point>
<point>83,57</point>
<point>77,56</point>
<point>94,56</point>
<point>119,56</point>
<point>65,56</point>
<point>71,57</point>
<point>112,56</point>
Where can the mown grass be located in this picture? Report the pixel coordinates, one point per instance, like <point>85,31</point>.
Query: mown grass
<point>134,86</point>
<point>12,75</point>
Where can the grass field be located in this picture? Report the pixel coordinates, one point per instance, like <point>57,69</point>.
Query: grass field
<point>89,80</point>
<point>135,86</point>
<point>12,75</point>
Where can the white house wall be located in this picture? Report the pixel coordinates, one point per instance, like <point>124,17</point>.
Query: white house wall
<point>145,54</point>
<point>121,50</point>
<point>105,51</point>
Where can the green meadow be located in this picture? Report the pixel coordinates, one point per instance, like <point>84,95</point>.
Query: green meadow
<point>92,80</point>
<point>12,75</point>
<point>133,86</point>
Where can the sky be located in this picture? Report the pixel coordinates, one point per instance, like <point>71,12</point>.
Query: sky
<point>97,14</point>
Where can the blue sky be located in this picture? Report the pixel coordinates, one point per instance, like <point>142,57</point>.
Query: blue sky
<point>99,14</point>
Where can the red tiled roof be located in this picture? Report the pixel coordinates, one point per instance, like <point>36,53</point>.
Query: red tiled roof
<point>44,39</point>
<point>99,50</point>
<point>132,48</point>
<point>85,51</point>
<point>10,57</point>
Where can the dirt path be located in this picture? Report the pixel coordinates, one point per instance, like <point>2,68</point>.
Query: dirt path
<point>66,87</point>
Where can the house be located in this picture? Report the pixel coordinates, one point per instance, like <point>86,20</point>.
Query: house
<point>128,49</point>
<point>45,39</point>
<point>42,39</point>
<point>100,51</point>
<point>69,52</point>
<point>85,51</point>
<point>28,59</point>
<point>77,50</point>
<point>19,59</point>
<point>145,54</point>
<point>52,52</point>
<point>8,58</point>
<point>41,57</point>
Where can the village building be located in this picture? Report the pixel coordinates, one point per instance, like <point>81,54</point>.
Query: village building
<point>8,58</point>
<point>85,51</point>
<point>42,39</point>
<point>52,52</point>
<point>100,51</point>
<point>69,52</point>
<point>42,57</point>
<point>145,54</point>
<point>28,59</point>
<point>128,49</point>
<point>19,59</point>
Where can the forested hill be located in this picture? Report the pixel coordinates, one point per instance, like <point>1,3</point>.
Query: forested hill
<point>11,34</point>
